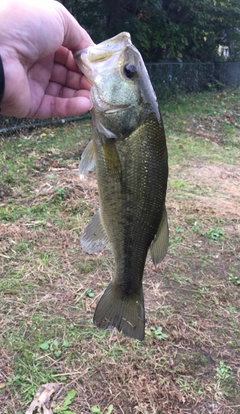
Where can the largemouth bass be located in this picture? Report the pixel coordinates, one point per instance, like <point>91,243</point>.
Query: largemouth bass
<point>129,149</point>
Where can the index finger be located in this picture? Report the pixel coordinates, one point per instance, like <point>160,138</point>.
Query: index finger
<point>64,57</point>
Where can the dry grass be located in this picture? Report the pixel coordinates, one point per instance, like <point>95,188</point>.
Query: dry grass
<point>190,359</point>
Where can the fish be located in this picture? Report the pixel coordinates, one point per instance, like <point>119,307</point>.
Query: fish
<point>129,150</point>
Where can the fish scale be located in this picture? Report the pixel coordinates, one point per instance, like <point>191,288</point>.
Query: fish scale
<point>130,152</point>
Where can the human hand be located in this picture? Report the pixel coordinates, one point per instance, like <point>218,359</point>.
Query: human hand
<point>41,77</point>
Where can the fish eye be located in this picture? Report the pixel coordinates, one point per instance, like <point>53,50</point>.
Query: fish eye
<point>130,71</point>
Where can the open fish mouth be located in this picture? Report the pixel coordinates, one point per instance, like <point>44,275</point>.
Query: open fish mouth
<point>93,58</point>
<point>103,51</point>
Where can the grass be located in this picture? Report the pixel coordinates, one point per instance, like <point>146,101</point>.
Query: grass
<point>189,360</point>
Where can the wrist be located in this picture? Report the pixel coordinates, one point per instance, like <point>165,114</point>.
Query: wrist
<point>2,81</point>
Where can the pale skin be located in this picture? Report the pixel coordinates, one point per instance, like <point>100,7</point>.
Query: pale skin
<point>42,80</point>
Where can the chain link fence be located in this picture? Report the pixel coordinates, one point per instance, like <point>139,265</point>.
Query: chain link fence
<point>168,79</point>
<point>171,79</point>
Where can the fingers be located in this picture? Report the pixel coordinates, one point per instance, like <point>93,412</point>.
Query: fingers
<point>58,90</point>
<point>52,107</point>
<point>66,72</point>
<point>70,79</point>
<point>64,57</point>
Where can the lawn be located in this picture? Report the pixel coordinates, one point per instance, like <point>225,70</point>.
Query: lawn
<point>189,361</point>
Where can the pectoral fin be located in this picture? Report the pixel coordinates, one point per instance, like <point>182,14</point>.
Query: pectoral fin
<point>87,162</point>
<point>94,237</point>
<point>104,131</point>
<point>159,245</point>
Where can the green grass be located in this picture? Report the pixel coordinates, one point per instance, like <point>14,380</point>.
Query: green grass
<point>189,360</point>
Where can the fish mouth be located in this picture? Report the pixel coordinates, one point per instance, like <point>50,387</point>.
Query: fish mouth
<point>117,109</point>
<point>104,50</point>
<point>104,57</point>
<point>92,59</point>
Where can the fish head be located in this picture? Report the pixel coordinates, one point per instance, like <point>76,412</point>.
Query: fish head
<point>121,92</point>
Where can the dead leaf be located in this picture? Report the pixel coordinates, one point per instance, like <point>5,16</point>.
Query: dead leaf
<point>44,399</point>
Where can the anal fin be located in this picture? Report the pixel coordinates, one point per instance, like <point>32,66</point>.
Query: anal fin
<point>159,245</point>
<point>94,237</point>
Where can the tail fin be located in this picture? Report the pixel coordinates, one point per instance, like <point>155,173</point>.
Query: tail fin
<point>126,313</point>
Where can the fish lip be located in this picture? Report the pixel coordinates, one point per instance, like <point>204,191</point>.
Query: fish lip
<point>81,59</point>
<point>104,50</point>
<point>90,59</point>
<point>117,108</point>
<point>79,52</point>
<point>102,106</point>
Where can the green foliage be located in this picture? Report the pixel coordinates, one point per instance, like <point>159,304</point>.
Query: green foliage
<point>60,193</point>
<point>55,347</point>
<point>180,30</point>
<point>89,293</point>
<point>215,234</point>
<point>223,371</point>
<point>225,379</point>
<point>67,402</point>
<point>158,332</point>
<point>235,279</point>
<point>97,410</point>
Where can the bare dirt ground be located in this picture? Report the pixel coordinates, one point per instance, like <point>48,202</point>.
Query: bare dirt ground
<point>192,298</point>
<point>225,179</point>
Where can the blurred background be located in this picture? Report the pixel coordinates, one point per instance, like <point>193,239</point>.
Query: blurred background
<point>188,45</point>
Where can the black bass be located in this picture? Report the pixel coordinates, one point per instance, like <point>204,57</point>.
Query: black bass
<point>130,153</point>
